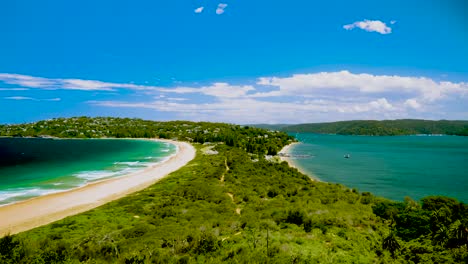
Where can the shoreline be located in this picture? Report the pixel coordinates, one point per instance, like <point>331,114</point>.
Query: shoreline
<point>28,214</point>
<point>286,150</point>
<point>92,181</point>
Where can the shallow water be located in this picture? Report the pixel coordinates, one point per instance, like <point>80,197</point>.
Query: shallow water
<point>31,167</point>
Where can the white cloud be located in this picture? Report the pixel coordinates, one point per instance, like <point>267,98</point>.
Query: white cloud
<point>23,98</point>
<point>324,96</point>
<point>67,84</point>
<point>363,84</point>
<point>24,80</point>
<point>52,99</point>
<point>220,9</point>
<point>381,103</point>
<point>177,99</point>
<point>393,22</point>
<point>321,96</point>
<point>413,103</point>
<point>248,110</point>
<point>222,90</point>
<point>14,89</point>
<point>199,10</point>
<point>18,98</point>
<point>370,26</point>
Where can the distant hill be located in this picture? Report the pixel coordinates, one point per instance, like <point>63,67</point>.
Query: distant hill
<point>380,128</point>
<point>278,127</point>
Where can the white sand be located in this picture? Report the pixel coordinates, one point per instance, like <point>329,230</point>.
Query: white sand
<point>286,150</point>
<point>45,209</point>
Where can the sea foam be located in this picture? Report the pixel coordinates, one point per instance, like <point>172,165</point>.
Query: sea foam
<point>102,174</point>
<point>13,195</point>
<point>65,178</point>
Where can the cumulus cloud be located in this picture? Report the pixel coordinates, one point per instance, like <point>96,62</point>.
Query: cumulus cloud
<point>320,96</point>
<point>248,110</point>
<point>381,103</point>
<point>199,10</point>
<point>363,84</point>
<point>413,103</point>
<point>371,26</point>
<point>220,9</point>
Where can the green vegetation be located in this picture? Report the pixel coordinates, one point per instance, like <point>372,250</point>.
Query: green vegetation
<point>278,127</point>
<point>380,128</point>
<point>235,206</point>
<point>435,230</point>
<point>251,139</point>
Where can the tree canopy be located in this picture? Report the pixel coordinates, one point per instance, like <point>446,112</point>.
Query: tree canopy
<point>379,128</point>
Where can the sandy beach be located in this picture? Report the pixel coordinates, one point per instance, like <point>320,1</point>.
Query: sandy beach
<point>45,209</point>
<point>287,150</point>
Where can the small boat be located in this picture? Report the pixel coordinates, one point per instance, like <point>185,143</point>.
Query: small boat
<point>347,156</point>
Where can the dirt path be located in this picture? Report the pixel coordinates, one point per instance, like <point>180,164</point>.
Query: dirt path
<point>238,210</point>
<point>227,169</point>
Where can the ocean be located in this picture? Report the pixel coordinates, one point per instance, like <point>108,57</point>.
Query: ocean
<point>30,167</point>
<point>393,167</point>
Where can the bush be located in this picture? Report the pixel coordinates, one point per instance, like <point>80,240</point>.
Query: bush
<point>296,217</point>
<point>206,243</point>
<point>308,225</point>
<point>10,249</point>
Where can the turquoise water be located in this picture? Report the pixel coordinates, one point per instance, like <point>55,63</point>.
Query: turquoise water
<point>392,167</point>
<point>31,167</point>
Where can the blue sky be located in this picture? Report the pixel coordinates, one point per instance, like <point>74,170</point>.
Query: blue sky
<point>234,61</point>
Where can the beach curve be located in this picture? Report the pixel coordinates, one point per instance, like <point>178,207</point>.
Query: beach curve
<point>286,151</point>
<point>42,210</point>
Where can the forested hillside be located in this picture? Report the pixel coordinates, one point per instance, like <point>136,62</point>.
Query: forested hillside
<point>233,205</point>
<point>251,139</point>
<point>383,128</point>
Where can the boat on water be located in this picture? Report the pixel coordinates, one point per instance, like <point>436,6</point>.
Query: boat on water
<point>347,156</point>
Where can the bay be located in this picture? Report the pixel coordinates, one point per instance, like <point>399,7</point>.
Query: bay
<point>392,167</point>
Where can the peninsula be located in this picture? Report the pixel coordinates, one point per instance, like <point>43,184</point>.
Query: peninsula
<point>232,203</point>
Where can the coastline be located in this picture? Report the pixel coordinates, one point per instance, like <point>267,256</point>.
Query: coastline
<point>287,150</point>
<point>42,210</point>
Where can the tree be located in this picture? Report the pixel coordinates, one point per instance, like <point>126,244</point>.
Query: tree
<point>391,244</point>
<point>458,234</point>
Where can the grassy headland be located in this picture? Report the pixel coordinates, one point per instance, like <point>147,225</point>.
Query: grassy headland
<point>230,204</point>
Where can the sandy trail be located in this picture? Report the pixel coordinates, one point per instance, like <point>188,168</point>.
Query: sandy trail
<point>45,209</point>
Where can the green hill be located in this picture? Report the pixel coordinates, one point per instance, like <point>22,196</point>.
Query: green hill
<point>271,127</point>
<point>383,128</point>
<point>237,207</point>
